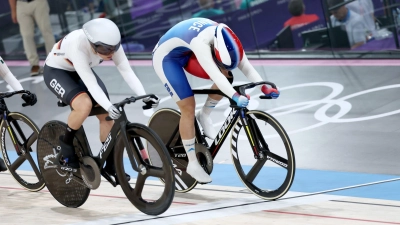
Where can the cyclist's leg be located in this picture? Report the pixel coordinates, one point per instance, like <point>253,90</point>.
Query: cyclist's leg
<point>67,87</point>
<point>170,71</point>
<point>105,128</point>
<point>81,106</point>
<point>213,99</point>
<point>203,116</point>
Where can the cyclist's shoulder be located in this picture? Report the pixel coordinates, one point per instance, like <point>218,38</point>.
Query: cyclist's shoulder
<point>188,30</point>
<point>189,27</point>
<point>74,38</point>
<point>75,41</point>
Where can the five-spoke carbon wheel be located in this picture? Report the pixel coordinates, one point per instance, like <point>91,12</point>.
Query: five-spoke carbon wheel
<point>152,163</point>
<point>18,145</point>
<point>270,175</point>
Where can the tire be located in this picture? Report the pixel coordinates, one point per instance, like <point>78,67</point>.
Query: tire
<point>25,133</point>
<point>159,166</point>
<point>269,178</point>
<point>164,122</point>
<point>66,191</point>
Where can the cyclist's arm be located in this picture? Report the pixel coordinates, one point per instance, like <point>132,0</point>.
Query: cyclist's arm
<point>122,63</point>
<point>81,65</point>
<point>203,54</point>
<point>6,74</point>
<point>248,70</point>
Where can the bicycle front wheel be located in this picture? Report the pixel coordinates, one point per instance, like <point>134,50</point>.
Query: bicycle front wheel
<point>270,175</point>
<point>148,194</point>
<point>18,145</point>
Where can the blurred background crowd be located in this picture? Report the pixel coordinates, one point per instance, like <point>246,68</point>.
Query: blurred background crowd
<point>266,28</point>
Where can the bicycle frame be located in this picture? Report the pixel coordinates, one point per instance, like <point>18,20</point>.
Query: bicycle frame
<point>236,112</point>
<point>118,128</point>
<point>251,130</point>
<point>11,130</point>
<point>226,128</point>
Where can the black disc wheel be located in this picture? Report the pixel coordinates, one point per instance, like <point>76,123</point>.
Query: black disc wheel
<point>66,187</point>
<point>165,122</point>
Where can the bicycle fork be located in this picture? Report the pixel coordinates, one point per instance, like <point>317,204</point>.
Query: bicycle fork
<point>251,129</point>
<point>12,135</point>
<point>136,162</point>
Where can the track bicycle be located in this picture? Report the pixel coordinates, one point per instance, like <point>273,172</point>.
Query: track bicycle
<point>71,187</point>
<point>260,148</point>
<point>18,146</point>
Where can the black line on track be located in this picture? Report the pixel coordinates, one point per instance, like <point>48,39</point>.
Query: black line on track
<point>254,203</point>
<point>200,211</point>
<point>366,203</point>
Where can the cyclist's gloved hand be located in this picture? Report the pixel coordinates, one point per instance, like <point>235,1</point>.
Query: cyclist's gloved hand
<point>113,112</point>
<point>240,100</point>
<point>152,101</point>
<point>270,92</point>
<point>30,99</point>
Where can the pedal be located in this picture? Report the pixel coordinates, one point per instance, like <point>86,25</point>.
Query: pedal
<point>112,178</point>
<point>90,173</point>
<point>61,163</point>
<point>109,178</point>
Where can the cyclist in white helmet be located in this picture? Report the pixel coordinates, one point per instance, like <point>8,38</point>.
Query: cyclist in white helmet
<point>69,75</point>
<point>207,50</point>
<point>30,99</point>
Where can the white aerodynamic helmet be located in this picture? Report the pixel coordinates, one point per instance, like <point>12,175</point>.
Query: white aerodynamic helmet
<point>103,35</point>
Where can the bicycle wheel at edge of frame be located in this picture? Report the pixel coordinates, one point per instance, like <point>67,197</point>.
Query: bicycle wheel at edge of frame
<point>284,188</point>
<point>34,187</point>
<point>163,203</point>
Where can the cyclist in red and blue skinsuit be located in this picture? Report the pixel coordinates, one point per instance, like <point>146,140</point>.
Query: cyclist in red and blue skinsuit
<point>207,50</point>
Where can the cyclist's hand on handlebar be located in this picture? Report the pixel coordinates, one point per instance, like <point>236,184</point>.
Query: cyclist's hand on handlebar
<point>30,99</point>
<point>270,92</point>
<point>113,112</point>
<point>153,102</point>
<point>240,100</point>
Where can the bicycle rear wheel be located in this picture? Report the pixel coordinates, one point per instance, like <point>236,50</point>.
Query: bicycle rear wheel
<point>271,176</point>
<point>22,135</point>
<point>66,190</point>
<point>165,122</point>
<point>148,194</point>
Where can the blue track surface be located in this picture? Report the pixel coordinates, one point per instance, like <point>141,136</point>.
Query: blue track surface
<point>308,181</point>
